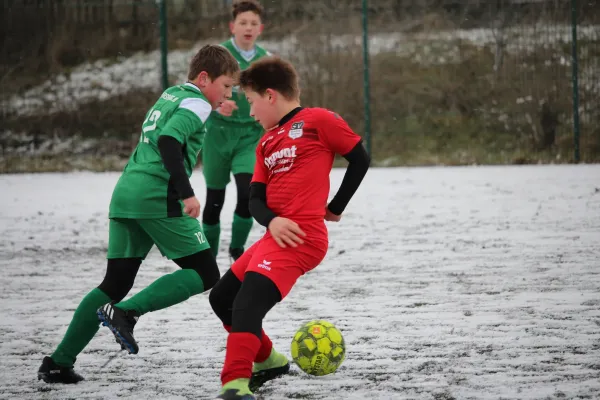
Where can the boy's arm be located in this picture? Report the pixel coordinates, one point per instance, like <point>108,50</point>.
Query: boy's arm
<point>358,164</point>
<point>189,119</point>
<point>258,204</point>
<point>336,135</point>
<point>285,232</point>
<point>258,192</point>
<point>171,152</point>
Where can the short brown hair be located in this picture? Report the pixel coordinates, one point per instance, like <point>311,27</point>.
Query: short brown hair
<point>215,60</point>
<point>271,73</point>
<point>239,7</point>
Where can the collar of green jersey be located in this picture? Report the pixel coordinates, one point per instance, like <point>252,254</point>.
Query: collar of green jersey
<point>247,55</point>
<point>193,87</point>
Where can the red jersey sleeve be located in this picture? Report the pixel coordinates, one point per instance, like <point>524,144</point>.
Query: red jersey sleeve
<point>335,133</point>
<point>261,173</point>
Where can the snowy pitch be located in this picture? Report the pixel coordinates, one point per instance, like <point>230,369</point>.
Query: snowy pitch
<point>447,283</point>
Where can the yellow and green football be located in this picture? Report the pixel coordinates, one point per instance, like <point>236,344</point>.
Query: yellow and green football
<point>318,348</point>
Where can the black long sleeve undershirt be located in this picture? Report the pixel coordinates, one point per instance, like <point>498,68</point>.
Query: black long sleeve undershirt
<point>171,152</point>
<point>258,204</point>
<point>358,164</point>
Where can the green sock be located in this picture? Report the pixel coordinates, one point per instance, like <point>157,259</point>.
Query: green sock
<point>275,360</point>
<point>82,328</point>
<point>241,385</point>
<point>164,292</point>
<point>212,233</point>
<point>240,229</point>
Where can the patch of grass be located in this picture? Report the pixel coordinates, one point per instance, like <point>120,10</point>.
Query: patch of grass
<point>463,144</point>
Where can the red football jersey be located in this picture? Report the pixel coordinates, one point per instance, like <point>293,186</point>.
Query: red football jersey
<point>294,161</point>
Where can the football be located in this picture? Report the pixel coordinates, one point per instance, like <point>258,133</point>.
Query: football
<point>318,348</point>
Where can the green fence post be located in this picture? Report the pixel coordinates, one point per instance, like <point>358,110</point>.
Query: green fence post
<point>574,64</point>
<point>366,80</point>
<point>162,23</point>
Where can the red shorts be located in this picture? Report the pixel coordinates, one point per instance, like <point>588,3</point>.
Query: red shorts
<point>283,266</point>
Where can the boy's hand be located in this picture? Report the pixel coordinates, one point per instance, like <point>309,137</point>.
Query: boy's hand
<point>227,108</point>
<point>191,207</point>
<point>286,232</point>
<point>329,216</point>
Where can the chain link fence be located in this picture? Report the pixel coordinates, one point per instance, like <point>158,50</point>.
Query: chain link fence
<point>451,81</point>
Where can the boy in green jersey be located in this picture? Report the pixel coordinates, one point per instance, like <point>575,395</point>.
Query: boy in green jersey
<point>153,203</point>
<point>231,138</point>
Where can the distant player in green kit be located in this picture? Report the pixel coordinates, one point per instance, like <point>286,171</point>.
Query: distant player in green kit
<point>153,203</point>
<point>231,138</point>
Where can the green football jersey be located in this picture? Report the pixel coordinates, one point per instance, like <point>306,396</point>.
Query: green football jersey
<point>242,114</point>
<point>144,189</point>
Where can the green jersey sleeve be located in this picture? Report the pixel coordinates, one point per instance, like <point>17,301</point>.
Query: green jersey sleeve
<point>188,119</point>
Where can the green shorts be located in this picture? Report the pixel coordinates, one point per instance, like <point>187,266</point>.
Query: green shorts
<point>229,148</point>
<point>175,237</point>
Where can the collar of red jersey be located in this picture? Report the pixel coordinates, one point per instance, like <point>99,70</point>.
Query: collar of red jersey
<point>287,117</point>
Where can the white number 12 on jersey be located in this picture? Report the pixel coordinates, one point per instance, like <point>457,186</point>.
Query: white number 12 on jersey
<point>150,123</point>
<point>200,237</point>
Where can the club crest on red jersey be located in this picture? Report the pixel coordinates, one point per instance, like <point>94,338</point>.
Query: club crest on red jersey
<point>296,130</point>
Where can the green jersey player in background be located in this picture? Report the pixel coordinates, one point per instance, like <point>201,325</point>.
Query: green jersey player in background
<point>232,136</point>
<point>153,203</point>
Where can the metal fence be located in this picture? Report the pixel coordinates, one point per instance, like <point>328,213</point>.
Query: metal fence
<point>478,81</point>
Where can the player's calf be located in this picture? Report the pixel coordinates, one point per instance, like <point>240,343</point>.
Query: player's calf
<point>50,372</point>
<point>121,324</point>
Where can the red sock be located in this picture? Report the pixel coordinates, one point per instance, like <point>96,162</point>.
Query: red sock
<point>242,348</point>
<point>265,346</point>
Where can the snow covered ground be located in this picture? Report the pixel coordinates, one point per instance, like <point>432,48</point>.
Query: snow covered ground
<point>447,283</point>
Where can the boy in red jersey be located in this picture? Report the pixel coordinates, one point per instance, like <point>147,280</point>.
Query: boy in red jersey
<point>288,195</point>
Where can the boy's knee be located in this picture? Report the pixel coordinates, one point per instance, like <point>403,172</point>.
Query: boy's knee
<point>205,266</point>
<point>222,296</point>
<point>256,297</point>
<point>119,277</point>
<point>209,275</point>
<point>214,204</point>
<point>217,302</point>
<point>242,207</point>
